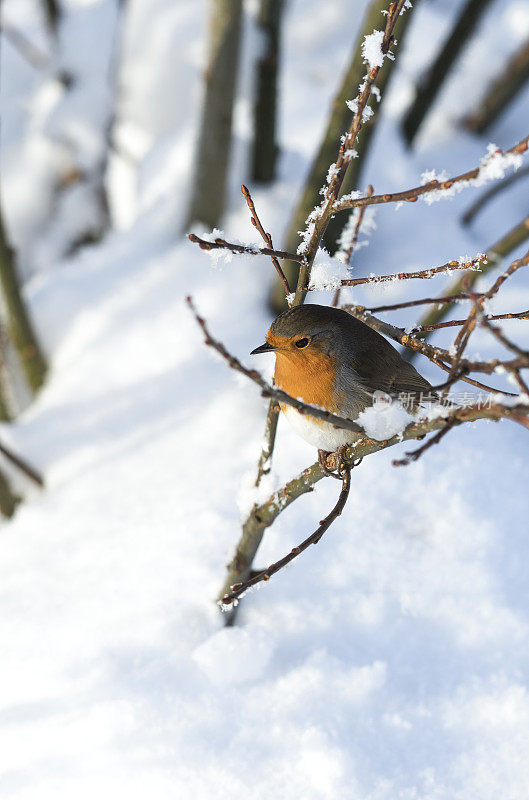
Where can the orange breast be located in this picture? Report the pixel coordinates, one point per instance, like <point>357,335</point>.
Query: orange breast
<point>309,375</point>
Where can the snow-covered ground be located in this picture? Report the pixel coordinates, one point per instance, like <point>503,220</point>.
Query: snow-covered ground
<point>392,660</point>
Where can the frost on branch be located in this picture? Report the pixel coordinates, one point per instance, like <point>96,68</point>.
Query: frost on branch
<point>493,167</point>
<point>372,49</point>
<point>309,229</point>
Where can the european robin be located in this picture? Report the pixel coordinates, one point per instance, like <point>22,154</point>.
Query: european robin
<point>330,359</point>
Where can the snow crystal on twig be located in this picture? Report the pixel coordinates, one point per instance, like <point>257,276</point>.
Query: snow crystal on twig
<point>493,167</point>
<point>367,113</point>
<point>354,195</point>
<point>331,172</point>
<point>309,229</point>
<point>372,49</point>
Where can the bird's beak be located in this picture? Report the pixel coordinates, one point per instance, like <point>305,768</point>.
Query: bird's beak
<point>264,348</point>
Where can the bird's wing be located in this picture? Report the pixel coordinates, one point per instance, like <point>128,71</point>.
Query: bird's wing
<point>376,365</point>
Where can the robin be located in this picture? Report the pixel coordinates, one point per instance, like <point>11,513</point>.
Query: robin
<point>330,359</point>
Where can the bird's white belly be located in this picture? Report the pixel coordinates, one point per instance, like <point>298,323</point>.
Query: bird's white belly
<point>322,435</point>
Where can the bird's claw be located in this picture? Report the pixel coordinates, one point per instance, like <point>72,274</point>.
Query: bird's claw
<point>342,466</point>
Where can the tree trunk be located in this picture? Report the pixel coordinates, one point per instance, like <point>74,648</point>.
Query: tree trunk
<point>264,148</point>
<point>434,78</point>
<point>209,187</point>
<point>8,500</point>
<point>339,120</point>
<point>501,91</point>
<point>19,324</point>
<point>52,13</point>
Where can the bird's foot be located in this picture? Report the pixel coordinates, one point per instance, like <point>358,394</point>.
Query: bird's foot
<point>339,459</point>
<point>322,458</point>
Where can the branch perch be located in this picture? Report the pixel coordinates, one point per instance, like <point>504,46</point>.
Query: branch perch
<point>238,589</point>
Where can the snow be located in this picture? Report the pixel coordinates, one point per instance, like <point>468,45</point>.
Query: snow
<point>372,49</point>
<point>494,165</point>
<point>327,272</point>
<point>384,420</point>
<point>389,661</point>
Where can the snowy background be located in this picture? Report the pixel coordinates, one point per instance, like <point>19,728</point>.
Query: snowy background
<point>389,662</point>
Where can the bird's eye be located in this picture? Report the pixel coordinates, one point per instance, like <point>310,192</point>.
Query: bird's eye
<point>302,343</point>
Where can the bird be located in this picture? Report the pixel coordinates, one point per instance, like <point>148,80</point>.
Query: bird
<point>330,359</point>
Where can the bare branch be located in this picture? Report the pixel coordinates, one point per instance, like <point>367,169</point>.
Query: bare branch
<point>422,302</point>
<point>267,238</point>
<point>352,244</point>
<point>29,471</point>
<point>456,322</point>
<point>500,336</point>
<point>239,588</point>
<point>320,219</point>
<point>421,274</point>
<point>493,192</point>
<point>414,455</point>
<point>411,195</point>
<point>222,244</point>
<point>265,514</point>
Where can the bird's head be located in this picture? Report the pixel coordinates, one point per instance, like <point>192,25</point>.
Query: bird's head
<point>305,333</point>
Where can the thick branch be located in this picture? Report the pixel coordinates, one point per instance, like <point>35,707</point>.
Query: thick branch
<point>265,514</point>
<point>432,81</point>
<point>238,589</point>
<point>325,211</point>
<point>501,91</point>
<point>338,121</point>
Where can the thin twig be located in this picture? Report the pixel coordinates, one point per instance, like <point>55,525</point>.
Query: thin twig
<point>413,455</point>
<point>437,355</point>
<point>511,269</point>
<point>267,238</point>
<point>239,588</point>
<point>422,302</point>
<point>222,244</point>
<point>493,192</point>
<point>456,322</point>
<point>352,244</point>
<point>22,465</point>
<point>421,274</point>
<point>411,195</point>
<point>266,513</point>
<point>500,336</point>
